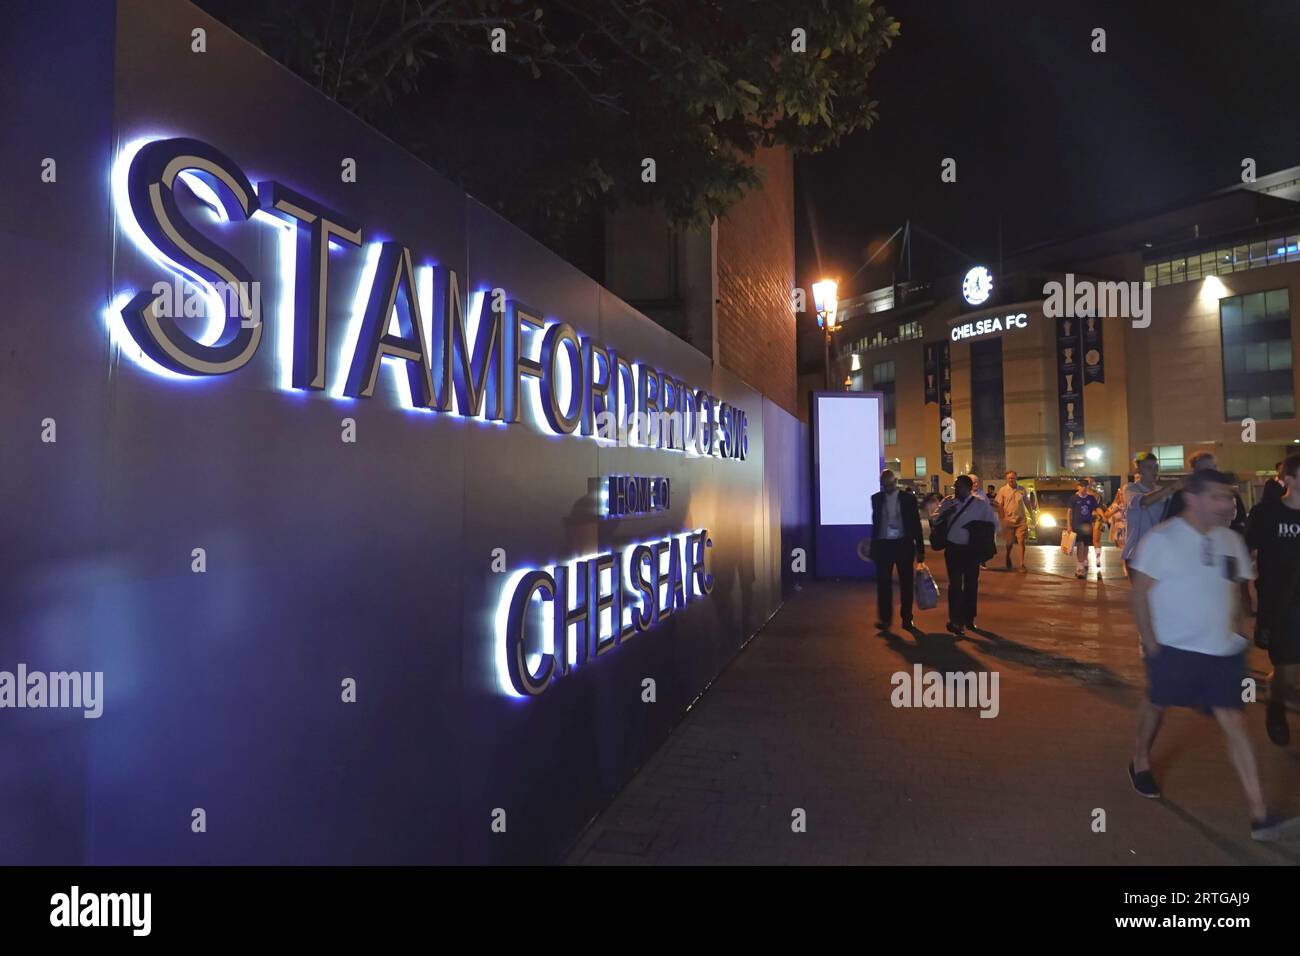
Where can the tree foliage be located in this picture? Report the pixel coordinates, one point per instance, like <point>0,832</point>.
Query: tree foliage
<point>556,126</point>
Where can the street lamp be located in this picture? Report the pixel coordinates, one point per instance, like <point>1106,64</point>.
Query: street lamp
<point>824,297</point>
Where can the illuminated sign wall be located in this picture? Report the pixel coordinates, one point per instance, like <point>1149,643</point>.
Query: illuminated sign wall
<point>316,470</point>
<point>581,384</point>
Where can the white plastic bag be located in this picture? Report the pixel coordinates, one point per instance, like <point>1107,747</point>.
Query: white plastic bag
<point>1067,541</point>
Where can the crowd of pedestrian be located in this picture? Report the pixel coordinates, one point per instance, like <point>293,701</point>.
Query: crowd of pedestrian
<point>1189,548</point>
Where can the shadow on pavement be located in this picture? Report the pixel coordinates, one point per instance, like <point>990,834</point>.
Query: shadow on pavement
<point>1092,675</point>
<point>939,651</point>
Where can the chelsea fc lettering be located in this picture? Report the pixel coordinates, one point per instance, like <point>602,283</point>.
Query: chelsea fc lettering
<point>470,355</point>
<point>990,325</point>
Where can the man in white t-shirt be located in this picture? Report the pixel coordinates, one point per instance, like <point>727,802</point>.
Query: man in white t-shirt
<point>1187,575</point>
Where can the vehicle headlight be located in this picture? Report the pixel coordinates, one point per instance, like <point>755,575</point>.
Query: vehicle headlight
<point>1046,521</point>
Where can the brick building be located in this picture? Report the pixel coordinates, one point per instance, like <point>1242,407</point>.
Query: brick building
<point>756,327</point>
<point>726,290</point>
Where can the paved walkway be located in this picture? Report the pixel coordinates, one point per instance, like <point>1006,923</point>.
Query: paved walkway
<point>802,720</point>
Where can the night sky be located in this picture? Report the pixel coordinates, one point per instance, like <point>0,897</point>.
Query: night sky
<point>1048,136</point>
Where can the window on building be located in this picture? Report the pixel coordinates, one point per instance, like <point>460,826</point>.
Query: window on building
<point>1255,254</point>
<point>920,467</point>
<point>1276,251</point>
<point>1240,258</point>
<point>882,380</point>
<point>1257,357</point>
<point>1170,457</point>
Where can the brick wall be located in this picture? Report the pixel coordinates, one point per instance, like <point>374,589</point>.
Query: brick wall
<point>756,330</point>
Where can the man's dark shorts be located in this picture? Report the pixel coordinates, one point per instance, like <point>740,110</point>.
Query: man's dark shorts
<point>1284,643</point>
<point>1179,678</point>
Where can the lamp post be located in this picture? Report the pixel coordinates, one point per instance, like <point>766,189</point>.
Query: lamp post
<point>824,297</point>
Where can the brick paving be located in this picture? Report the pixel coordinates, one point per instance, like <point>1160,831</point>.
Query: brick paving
<point>802,719</point>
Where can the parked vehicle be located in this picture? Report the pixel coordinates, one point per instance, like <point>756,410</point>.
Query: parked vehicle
<point>1049,507</point>
<point>1049,503</point>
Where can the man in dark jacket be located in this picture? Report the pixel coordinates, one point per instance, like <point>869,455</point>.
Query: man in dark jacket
<point>895,540</point>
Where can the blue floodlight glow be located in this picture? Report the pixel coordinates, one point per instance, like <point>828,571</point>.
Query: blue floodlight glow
<point>126,345</point>
<point>126,219</point>
<point>343,360</point>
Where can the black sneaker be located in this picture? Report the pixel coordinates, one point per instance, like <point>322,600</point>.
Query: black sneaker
<point>907,623</point>
<point>884,625</point>
<point>1275,723</point>
<point>1144,783</point>
<point>956,629</point>
<point>1272,827</point>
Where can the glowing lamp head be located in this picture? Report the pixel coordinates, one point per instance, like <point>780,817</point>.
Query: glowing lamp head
<point>827,303</point>
<point>1093,453</point>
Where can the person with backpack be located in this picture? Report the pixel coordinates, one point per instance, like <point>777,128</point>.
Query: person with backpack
<point>963,522</point>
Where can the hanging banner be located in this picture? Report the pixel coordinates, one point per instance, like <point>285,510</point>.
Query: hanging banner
<point>1069,381</point>
<point>1094,355</point>
<point>931,375</point>
<point>946,427</point>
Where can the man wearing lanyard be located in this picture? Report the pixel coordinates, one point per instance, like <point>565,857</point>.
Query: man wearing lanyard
<point>895,541</point>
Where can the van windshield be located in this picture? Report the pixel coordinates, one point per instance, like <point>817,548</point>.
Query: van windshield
<point>1054,499</point>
